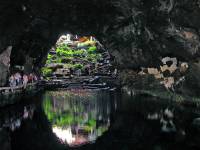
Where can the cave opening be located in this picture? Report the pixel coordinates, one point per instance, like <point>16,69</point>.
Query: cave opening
<point>151,100</point>
<point>77,56</point>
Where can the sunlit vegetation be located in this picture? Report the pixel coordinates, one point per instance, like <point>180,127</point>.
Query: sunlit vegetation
<point>76,56</point>
<point>47,71</point>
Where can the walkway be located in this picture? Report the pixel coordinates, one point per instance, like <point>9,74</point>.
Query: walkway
<point>17,89</point>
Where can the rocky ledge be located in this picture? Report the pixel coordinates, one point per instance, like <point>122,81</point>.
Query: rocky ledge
<point>138,33</point>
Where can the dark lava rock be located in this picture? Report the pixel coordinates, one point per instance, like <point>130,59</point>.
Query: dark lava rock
<point>137,32</point>
<point>4,65</point>
<point>5,141</point>
<point>196,123</point>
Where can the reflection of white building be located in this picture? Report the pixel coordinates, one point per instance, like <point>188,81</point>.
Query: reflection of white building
<point>67,137</point>
<point>64,134</point>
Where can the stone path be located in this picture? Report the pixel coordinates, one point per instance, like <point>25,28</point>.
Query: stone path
<point>87,82</point>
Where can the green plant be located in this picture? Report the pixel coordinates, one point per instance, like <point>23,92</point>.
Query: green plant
<point>63,52</point>
<point>49,56</point>
<point>59,60</point>
<point>92,49</point>
<point>78,52</point>
<point>48,61</point>
<point>63,47</point>
<point>78,66</point>
<point>66,60</point>
<point>46,71</point>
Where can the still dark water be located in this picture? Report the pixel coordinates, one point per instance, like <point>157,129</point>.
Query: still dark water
<point>98,120</point>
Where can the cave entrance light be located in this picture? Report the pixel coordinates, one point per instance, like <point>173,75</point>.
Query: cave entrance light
<point>77,56</point>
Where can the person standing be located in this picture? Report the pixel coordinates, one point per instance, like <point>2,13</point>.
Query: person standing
<point>18,78</point>
<point>30,78</point>
<point>25,81</point>
<point>12,82</point>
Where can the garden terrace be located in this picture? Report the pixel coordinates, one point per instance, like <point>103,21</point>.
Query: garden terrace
<point>75,56</point>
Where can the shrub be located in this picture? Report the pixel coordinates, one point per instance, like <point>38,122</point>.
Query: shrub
<point>59,60</point>
<point>78,52</point>
<point>48,61</point>
<point>78,66</point>
<point>47,71</point>
<point>92,49</point>
<point>63,47</point>
<point>62,52</point>
<point>49,56</point>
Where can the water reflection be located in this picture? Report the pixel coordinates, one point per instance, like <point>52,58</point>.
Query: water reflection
<point>77,116</point>
<point>12,119</point>
<point>58,119</point>
<point>166,118</point>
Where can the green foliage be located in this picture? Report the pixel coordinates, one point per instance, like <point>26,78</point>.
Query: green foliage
<point>68,56</point>
<point>49,56</point>
<point>92,49</point>
<point>51,59</point>
<point>93,57</point>
<point>78,66</point>
<point>58,60</point>
<point>78,52</point>
<point>65,119</point>
<point>48,61</point>
<point>63,52</point>
<point>46,71</point>
<point>63,47</point>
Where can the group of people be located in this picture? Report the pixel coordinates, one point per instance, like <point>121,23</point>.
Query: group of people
<point>19,79</point>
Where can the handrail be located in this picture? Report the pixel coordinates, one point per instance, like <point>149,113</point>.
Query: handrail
<point>20,87</point>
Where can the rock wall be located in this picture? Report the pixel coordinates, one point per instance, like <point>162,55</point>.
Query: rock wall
<point>137,32</point>
<point>5,65</point>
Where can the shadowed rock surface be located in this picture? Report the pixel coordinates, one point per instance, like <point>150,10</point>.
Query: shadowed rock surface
<point>136,32</point>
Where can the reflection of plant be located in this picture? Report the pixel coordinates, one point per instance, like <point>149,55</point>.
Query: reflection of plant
<point>92,122</point>
<point>68,110</point>
<point>62,115</point>
<point>90,125</point>
<point>64,119</point>
<point>56,117</point>
<point>101,130</point>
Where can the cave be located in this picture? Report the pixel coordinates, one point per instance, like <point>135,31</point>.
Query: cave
<point>154,48</point>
